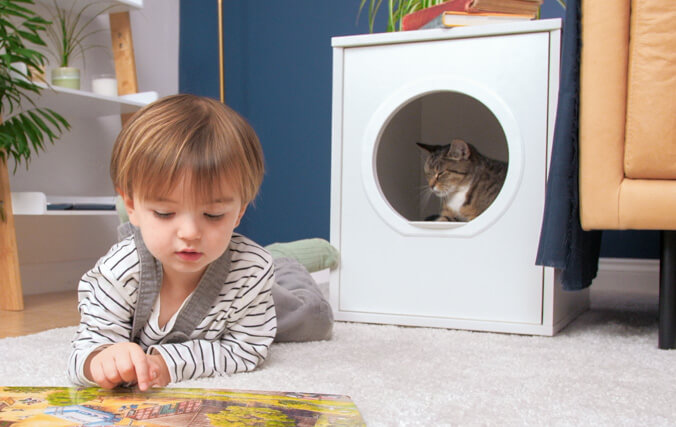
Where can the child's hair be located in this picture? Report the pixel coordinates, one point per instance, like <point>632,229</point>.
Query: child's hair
<point>187,136</point>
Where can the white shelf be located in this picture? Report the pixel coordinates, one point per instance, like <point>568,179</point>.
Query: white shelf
<point>116,5</point>
<point>79,212</point>
<point>80,103</point>
<point>37,203</point>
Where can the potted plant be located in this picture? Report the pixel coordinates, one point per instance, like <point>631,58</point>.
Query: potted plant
<point>68,34</point>
<point>24,130</point>
<point>396,10</point>
<point>22,133</point>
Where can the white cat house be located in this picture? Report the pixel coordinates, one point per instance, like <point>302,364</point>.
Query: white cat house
<point>494,86</point>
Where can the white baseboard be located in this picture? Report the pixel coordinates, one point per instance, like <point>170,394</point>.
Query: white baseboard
<point>628,275</point>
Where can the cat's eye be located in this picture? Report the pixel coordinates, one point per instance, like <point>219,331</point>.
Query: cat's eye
<point>457,172</point>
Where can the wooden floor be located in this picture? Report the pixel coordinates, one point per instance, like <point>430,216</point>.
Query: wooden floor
<point>41,312</point>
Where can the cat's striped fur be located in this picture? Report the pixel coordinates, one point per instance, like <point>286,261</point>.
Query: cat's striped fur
<point>465,180</point>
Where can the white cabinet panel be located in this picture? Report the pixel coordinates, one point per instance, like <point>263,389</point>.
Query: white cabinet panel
<point>494,87</point>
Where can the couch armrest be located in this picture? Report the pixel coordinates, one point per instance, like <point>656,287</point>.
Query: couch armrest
<point>603,100</point>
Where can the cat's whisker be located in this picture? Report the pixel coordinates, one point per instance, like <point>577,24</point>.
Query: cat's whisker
<point>424,188</point>
<point>425,192</point>
<point>425,195</point>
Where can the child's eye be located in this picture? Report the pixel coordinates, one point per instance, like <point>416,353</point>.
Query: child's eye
<point>163,215</point>
<point>214,217</point>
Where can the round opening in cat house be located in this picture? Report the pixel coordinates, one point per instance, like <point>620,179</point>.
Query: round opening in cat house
<point>442,158</point>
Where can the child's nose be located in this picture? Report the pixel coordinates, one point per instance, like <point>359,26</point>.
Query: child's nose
<point>189,229</point>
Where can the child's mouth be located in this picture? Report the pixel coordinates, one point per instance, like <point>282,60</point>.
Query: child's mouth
<point>189,255</point>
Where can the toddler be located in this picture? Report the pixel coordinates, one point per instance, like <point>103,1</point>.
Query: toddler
<point>183,296</point>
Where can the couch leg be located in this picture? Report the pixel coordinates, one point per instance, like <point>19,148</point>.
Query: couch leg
<point>667,305</point>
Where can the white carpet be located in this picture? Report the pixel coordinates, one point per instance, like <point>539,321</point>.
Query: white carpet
<point>604,369</point>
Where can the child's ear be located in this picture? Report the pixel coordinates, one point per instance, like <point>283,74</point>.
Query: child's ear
<point>129,206</point>
<point>241,214</point>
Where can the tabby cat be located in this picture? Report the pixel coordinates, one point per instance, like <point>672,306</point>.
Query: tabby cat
<point>466,181</point>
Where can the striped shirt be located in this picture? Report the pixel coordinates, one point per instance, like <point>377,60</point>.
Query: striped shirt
<point>233,337</point>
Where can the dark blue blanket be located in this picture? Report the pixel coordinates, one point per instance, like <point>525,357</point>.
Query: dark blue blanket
<point>563,243</point>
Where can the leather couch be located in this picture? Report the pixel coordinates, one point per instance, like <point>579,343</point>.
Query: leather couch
<point>627,138</point>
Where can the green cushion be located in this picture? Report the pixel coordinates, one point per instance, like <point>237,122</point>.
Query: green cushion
<point>315,254</point>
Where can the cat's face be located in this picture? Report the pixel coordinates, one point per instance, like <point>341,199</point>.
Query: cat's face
<point>446,167</point>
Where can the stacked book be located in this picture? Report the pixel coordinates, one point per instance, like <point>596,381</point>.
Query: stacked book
<point>455,13</point>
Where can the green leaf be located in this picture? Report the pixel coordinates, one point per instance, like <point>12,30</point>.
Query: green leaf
<point>35,136</point>
<point>26,127</point>
<point>69,30</point>
<point>13,9</point>
<point>31,37</point>
<point>38,121</point>
<point>60,120</point>
<point>21,143</point>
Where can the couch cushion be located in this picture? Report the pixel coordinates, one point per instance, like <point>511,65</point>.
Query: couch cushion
<point>650,149</point>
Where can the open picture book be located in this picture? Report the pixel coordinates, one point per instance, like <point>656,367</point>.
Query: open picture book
<point>64,406</point>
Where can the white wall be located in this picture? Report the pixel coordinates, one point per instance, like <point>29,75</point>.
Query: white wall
<point>55,251</point>
<point>156,31</point>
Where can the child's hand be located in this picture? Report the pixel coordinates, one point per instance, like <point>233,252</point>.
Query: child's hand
<point>159,367</point>
<point>122,363</point>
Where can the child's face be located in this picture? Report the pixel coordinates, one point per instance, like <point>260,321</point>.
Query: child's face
<point>186,236</point>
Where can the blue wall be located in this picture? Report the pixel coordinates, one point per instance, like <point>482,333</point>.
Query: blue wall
<point>278,65</point>
<point>279,76</point>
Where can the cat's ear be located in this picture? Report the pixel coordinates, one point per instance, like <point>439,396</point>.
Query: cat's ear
<point>427,148</point>
<point>459,150</point>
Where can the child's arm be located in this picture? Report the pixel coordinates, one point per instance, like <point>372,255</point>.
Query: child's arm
<point>241,341</point>
<point>110,359</point>
<point>106,301</point>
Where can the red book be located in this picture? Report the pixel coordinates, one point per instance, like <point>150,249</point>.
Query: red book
<point>417,19</point>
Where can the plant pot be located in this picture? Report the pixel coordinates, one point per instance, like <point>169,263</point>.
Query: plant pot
<point>66,77</point>
<point>38,74</point>
<point>19,70</point>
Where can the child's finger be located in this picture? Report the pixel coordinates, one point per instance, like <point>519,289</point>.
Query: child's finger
<point>125,368</point>
<point>100,377</point>
<point>142,368</point>
<point>111,373</point>
<point>154,375</point>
